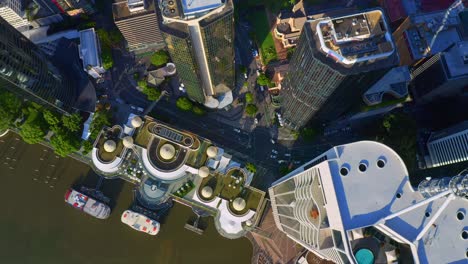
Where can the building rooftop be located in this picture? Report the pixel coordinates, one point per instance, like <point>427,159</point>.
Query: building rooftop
<point>191,7</point>
<point>463,126</point>
<point>456,60</point>
<point>394,82</point>
<point>124,9</point>
<point>89,49</point>
<point>358,39</point>
<point>430,226</point>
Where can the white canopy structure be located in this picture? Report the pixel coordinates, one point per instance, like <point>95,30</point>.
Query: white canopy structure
<point>136,122</point>
<point>110,146</point>
<point>207,192</point>
<point>204,172</point>
<point>128,142</point>
<point>167,151</point>
<point>212,151</point>
<point>239,204</point>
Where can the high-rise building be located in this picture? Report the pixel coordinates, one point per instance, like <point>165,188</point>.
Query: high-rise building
<point>443,75</point>
<point>27,72</point>
<point>12,12</point>
<point>355,204</point>
<point>448,146</point>
<point>200,39</point>
<point>336,60</point>
<point>138,22</point>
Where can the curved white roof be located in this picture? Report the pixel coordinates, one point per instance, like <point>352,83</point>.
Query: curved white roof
<point>105,167</point>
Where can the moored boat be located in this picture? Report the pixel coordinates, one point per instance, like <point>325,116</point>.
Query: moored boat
<point>87,204</point>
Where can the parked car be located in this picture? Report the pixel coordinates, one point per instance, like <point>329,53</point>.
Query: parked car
<point>273,156</point>
<point>273,141</point>
<point>140,222</point>
<point>287,155</point>
<point>274,151</point>
<point>258,72</point>
<point>245,75</point>
<point>237,130</point>
<point>262,88</point>
<point>256,121</point>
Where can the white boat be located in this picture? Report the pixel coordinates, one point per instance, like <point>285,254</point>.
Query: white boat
<point>140,222</point>
<point>87,204</point>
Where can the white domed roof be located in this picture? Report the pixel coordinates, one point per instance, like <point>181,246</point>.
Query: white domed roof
<point>167,151</point>
<point>239,204</point>
<point>128,142</point>
<point>203,171</point>
<point>136,121</point>
<point>110,146</point>
<point>207,192</point>
<point>212,151</point>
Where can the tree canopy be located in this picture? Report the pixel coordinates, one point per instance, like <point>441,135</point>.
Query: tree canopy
<point>159,58</point>
<point>152,93</point>
<point>249,98</point>
<point>251,167</point>
<point>32,133</point>
<point>263,80</point>
<point>72,122</point>
<point>198,110</point>
<point>10,107</point>
<point>184,104</point>
<point>251,109</point>
<point>308,134</point>
<point>101,119</point>
<point>64,143</point>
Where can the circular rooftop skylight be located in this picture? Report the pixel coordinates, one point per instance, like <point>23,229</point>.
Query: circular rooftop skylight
<point>460,215</point>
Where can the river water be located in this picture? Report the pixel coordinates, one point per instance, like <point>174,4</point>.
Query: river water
<point>36,226</point>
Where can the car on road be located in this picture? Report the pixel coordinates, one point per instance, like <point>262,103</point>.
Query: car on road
<point>236,130</point>
<point>255,53</point>
<point>262,88</point>
<point>87,204</point>
<point>256,121</point>
<point>245,75</point>
<point>282,161</point>
<point>287,155</point>
<point>273,141</point>
<point>273,156</point>
<point>297,162</point>
<point>274,151</point>
<point>140,222</point>
<point>258,72</point>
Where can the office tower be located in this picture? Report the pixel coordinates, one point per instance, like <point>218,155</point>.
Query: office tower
<point>138,22</point>
<point>355,204</point>
<point>443,75</point>
<point>12,12</point>
<point>448,146</point>
<point>25,71</point>
<point>336,60</point>
<point>200,39</point>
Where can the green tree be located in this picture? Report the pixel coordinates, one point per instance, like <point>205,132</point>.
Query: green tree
<point>283,170</point>
<point>251,167</point>
<point>152,93</point>
<point>106,56</point>
<point>87,146</point>
<point>101,119</point>
<point>263,80</point>
<point>249,98</point>
<point>72,122</point>
<point>64,143</point>
<point>159,58</point>
<point>198,110</point>
<point>51,118</point>
<point>251,109</point>
<point>10,107</point>
<point>32,133</point>
<point>242,69</point>
<point>308,134</point>
<point>184,104</point>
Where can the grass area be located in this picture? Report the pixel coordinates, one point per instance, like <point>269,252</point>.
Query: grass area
<point>259,20</point>
<point>366,108</point>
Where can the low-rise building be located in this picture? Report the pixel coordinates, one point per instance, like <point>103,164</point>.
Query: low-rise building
<point>289,25</point>
<point>166,163</point>
<point>448,146</point>
<point>90,53</point>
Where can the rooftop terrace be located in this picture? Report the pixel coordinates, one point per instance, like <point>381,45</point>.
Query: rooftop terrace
<point>362,37</point>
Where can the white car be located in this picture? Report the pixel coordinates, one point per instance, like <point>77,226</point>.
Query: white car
<point>237,130</point>
<point>140,222</point>
<point>287,155</point>
<point>262,88</point>
<point>258,73</point>
<point>256,121</point>
<point>273,156</point>
<point>274,151</point>
<point>245,75</point>
<point>273,141</point>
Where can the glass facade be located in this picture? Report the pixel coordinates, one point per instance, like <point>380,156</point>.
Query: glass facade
<point>25,71</point>
<point>308,84</point>
<point>180,50</point>
<point>218,40</point>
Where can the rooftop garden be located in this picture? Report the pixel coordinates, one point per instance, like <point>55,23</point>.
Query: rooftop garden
<point>111,134</point>
<point>230,187</point>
